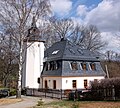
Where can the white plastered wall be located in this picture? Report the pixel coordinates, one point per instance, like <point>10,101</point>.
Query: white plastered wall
<point>66,82</point>
<point>50,82</point>
<point>33,64</point>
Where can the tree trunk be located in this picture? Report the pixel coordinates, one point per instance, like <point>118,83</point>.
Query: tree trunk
<point>18,95</point>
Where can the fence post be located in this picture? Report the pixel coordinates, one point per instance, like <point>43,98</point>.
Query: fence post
<point>52,93</point>
<point>45,92</point>
<point>113,92</point>
<point>61,94</point>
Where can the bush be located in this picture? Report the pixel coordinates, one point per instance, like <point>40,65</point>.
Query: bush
<point>87,95</point>
<point>75,105</point>
<point>12,92</point>
<point>40,102</point>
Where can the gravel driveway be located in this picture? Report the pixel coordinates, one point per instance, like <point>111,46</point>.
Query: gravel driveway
<point>27,102</point>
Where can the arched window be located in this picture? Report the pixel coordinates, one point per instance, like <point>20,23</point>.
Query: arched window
<point>74,65</point>
<point>56,64</point>
<point>47,66</point>
<point>84,66</point>
<point>92,65</point>
<point>52,65</point>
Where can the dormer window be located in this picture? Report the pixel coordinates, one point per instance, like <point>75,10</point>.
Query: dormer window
<point>47,66</point>
<point>74,65</point>
<point>56,64</point>
<point>53,65</point>
<point>84,66</point>
<point>92,65</point>
<point>55,52</point>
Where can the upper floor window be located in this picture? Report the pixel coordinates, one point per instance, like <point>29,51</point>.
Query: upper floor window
<point>53,65</point>
<point>92,65</point>
<point>74,65</point>
<point>84,66</point>
<point>47,66</point>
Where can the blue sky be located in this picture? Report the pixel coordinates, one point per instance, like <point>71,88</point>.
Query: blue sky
<point>105,14</point>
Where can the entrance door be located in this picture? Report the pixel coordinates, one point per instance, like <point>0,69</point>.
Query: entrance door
<point>54,84</point>
<point>46,84</point>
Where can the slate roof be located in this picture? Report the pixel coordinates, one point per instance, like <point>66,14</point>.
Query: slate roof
<point>65,52</point>
<point>68,51</point>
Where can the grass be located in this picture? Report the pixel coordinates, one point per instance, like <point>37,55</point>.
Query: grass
<point>81,104</point>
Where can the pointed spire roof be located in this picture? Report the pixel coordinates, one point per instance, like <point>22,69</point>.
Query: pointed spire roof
<point>33,32</point>
<point>33,24</point>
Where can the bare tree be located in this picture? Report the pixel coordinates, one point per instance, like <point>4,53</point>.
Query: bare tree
<point>15,16</point>
<point>58,29</point>
<point>86,37</point>
<point>8,64</point>
<point>90,38</point>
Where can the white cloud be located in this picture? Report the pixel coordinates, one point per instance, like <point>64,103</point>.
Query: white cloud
<point>82,10</point>
<point>112,40</point>
<point>106,15</point>
<point>61,7</point>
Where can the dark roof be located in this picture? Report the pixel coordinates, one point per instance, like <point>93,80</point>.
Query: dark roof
<point>68,51</point>
<point>65,52</point>
<point>33,33</point>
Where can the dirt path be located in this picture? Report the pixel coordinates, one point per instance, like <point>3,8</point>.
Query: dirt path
<point>26,102</point>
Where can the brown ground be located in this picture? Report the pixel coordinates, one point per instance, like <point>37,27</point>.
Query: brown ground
<point>101,105</point>
<point>83,104</point>
<point>9,101</point>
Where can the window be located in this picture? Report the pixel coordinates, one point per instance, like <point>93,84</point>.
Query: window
<point>56,64</point>
<point>54,84</point>
<point>74,83</point>
<point>85,83</point>
<point>74,65</point>
<point>84,66</point>
<point>38,80</point>
<point>46,86</point>
<point>53,65</point>
<point>55,52</point>
<point>95,80</point>
<point>92,65</point>
<point>47,66</point>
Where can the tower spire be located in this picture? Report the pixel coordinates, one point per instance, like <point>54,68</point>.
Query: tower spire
<point>33,24</point>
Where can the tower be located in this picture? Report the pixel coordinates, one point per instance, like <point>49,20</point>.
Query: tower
<point>33,57</point>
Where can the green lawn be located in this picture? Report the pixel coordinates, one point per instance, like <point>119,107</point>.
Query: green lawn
<point>80,104</point>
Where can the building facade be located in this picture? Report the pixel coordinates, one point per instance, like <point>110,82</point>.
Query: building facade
<point>33,58</point>
<point>66,66</point>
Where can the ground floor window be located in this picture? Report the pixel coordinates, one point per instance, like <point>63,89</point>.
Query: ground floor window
<point>74,83</point>
<point>85,83</point>
<point>54,84</point>
<point>46,86</point>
